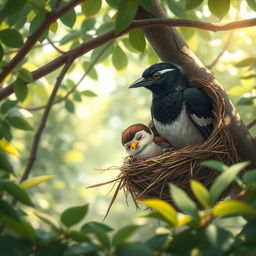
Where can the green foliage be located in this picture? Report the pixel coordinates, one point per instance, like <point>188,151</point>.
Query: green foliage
<point>219,8</point>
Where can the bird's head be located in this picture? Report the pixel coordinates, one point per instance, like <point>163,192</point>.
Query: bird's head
<point>163,77</point>
<point>135,138</point>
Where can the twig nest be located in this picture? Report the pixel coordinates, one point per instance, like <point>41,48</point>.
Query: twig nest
<point>149,178</point>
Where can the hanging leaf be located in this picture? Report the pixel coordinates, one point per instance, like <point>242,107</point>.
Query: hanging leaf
<point>252,4</point>
<point>11,38</point>
<point>192,4</point>
<point>233,207</point>
<point>224,180</point>
<point>5,164</point>
<point>8,104</point>
<point>73,215</point>
<point>123,234</point>
<point>119,58</point>
<point>19,123</point>
<point>201,193</point>
<point>177,9</point>
<point>88,24</point>
<point>17,192</point>
<point>8,148</point>
<point>53,27</point>
<point>69,18</point>
<point>20,89</point>
<point>70,106</point>
<point>162,207</point>
<point>88,93</point>
<point>34,181</point>
<point>137,39</point>
<point>183,202</point>
<point>10,8</point>
<point>91,7</point>
<point>25,75</point>
<point>126,13</point>
<point>219,8</point>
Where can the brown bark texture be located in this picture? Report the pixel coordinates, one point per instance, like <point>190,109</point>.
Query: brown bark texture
<point>170,46</point>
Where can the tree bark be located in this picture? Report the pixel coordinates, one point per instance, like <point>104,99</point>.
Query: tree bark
<point>170,46</point>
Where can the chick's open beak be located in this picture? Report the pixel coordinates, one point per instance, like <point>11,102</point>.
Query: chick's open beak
<point>134,144</point>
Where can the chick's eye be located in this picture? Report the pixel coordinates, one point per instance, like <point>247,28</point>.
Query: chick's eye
<point>156,75</point>
<point>140,136</point>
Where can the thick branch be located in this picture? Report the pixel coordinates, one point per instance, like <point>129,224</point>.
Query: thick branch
<point>169,45</point>
<point>111,35</point>
<point>50,18</point>
<point>41,127</point>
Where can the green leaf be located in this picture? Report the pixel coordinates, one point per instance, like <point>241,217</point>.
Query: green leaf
<point>123,234</point>
<point>91,7</point>
<point>22,227</point>
<point>252,4</point>
<point>78,236</point>
<point>82,249</point>
<point>8,104</point>
<point>17,192</point>
<point>119,58</point>
<point>101,235</point>
<point>69,37</point>
<point>156,242</point>
<point>69,105</point>
<point>249,177</point>
<point>5,130</point>
<point>73,215</point>
<point>1,52</point>
<point>20,89</point>
<point>146,5</point>
<point>11,38</point>
<point>53,248</point>
<point>19,123</point>
<point>137,39</point>
<point>192,4</point>
<point>162,207</point>
<point>7,209</point>
<point>177,9</point>
<point>114,3</point>
<point>245,62</point>
<point>25,75</point>
<point>126,12</point>
<point>224,180</point>
<point>34,181</point>
<point>105,28</point>
<point>10,8</point>
<point>182,201</point>
<point>245,101</point>
<point>97,51</point>
<point>137,248</point>
<point>5,164</point>
<point>201,193</point>
<point>69,18</point>
<point>218,238</point>
<point>49,220</point>
<point>219,8</point>
<point>93,73</point>
<point>88,93</point>
<point>89,227</point>
<point>233,207</point>
<point>36,23</point>
<point>88,24</point>
<point>215,165</point>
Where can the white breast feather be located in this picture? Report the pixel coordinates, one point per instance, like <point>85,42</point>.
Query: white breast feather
<point>181,132</point>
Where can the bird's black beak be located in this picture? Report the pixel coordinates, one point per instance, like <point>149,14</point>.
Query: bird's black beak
<point>141,82</point>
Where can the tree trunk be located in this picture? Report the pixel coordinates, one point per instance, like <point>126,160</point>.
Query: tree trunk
<point>170,46</point>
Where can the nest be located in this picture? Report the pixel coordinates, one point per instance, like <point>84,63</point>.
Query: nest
<point>149,178</point>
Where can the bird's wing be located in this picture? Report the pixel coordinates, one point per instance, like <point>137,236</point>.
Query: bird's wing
<point>161,142</point>
<point>199,109</point>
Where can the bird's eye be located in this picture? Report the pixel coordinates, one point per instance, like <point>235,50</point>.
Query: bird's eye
<point>128,147</point>
<point>156,75</point>
<point>139,137</point>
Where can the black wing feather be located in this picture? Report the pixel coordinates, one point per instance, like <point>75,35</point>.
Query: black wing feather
<point>200,110</point>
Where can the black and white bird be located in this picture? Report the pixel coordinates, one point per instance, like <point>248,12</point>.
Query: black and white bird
<point>181,113</point>
<point>140,142</point>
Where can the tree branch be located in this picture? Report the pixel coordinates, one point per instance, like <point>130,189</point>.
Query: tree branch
<point>41,127</point>
<point>111,35</point>
<point>54,46</point>
<point>50,18</point>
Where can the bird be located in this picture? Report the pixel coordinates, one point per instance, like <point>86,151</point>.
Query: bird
<point>181,112</point>
<point>140,142</point>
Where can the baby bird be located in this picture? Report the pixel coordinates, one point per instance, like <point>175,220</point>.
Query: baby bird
<point>140,142</point>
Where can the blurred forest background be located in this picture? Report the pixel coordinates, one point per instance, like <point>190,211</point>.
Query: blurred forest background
<point>83,132</point>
